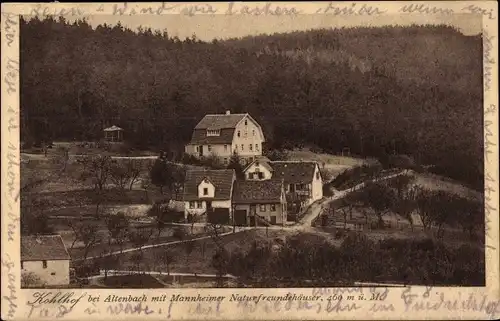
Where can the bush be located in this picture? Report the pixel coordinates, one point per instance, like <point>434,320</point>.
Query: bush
<point>360,259</point>
<point>356,175</point>
<point>398,161</point>
<point>189,159</point>
<point>30,279</point>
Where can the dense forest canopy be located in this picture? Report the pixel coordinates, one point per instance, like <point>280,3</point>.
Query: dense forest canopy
<point>413,90</point>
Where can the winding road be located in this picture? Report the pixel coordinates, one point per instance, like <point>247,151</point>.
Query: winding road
<point>303,225</point>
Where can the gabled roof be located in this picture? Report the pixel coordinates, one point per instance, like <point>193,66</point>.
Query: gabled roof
<point>293,172</point>
<point>112,128</point>
<point>246,192</point>
<point>222,179</point>
<point>262,160</point>
<point>43,247</point>
<point>220,121</point>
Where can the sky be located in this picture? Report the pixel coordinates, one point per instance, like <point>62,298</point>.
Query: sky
<point>208,27</point>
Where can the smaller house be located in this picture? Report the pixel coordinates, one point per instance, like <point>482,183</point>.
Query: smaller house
<point>303,181</point>
<point>113,134</point>
<point>259,203</point>
<point>47,258</point>
<point>208,193</point>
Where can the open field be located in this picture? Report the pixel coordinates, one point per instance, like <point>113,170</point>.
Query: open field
<point>326,159</point>
<point>434,182</point>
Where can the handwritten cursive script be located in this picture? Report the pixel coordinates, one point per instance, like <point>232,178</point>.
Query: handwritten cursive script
<point>11,295</point>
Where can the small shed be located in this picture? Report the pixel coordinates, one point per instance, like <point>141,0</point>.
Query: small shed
<point>113,134</point>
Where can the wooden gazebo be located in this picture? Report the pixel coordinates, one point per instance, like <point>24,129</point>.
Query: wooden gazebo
<point>113,134</point>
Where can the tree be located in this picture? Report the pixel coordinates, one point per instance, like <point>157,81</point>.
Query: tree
<point>119,175</point>
<point>167,258</point>
<point>178,177</point>
<point>89,237</point>
<point>188,248</point>
<point>220,261</point>
<point>98,170</point>
<point>145,185</point>
<point>470,215</point>
<point>235,164</point>
<point>117,225</point>
<point>134,170</point>
<point>424,207</point>
<point>107,262</point>
<point>140,236</point>
<point>164,173</point>
<point>379,197</point>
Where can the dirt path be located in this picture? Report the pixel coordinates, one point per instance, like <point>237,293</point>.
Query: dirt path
<point>133,249</point>
<point>315,208</point>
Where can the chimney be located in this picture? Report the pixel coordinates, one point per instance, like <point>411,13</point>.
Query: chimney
<point>228,112</point>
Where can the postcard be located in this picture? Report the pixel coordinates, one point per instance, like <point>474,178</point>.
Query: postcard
<point>250,160</point>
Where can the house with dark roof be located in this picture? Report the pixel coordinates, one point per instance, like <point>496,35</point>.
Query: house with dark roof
<point>221,135</point>
<point>46,258</point>
<point>208,194</point>
<point>302,180</point>
<point>259,202</point>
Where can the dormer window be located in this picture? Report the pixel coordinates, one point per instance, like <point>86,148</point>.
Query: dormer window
<point>213,132</point>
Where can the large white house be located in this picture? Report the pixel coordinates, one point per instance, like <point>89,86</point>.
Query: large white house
<point>46,258</point>
<point>221,135</point>
<point>302,180</point>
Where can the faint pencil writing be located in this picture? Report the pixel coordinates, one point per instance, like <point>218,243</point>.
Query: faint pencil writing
<point>488,13</point>
<point>11,295</point>
<point>10,29</point>
<point>488,61</point>
<point>353,9</point>
<point>424,9</point>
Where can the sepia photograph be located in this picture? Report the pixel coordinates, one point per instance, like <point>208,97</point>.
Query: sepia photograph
<point>251,151</point>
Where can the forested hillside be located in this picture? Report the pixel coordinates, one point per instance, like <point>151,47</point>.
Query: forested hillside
<point>409,90</point>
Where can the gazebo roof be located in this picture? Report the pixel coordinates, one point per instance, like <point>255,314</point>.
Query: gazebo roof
<point>112,128</point>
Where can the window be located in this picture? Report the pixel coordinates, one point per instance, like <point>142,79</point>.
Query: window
<point>250,175</point>
<point>239,133</point>
<point>225,161</point>
<point>261,175</point>
<point>209,148</point>
<point>246,134</point>
<point>205,191</point>
<point>273,219</point>
<point>53,273</point>
<point>262,207</point>
<point>273,208</point>
<point>246,122</point>
<point>191,204</point>
<point>197,149</point>
<point>198,204</point>
<point>256,146</point>
<point>242,147</point>
<point>250,145</point>
<point>211,132</point>
<point>44,264</point>
<point>253,132</point>
<point>225,148</point>
<point>317,175</point>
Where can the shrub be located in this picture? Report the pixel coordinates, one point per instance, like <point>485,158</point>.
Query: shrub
<point>398,161</point>
<point>30,279</point>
